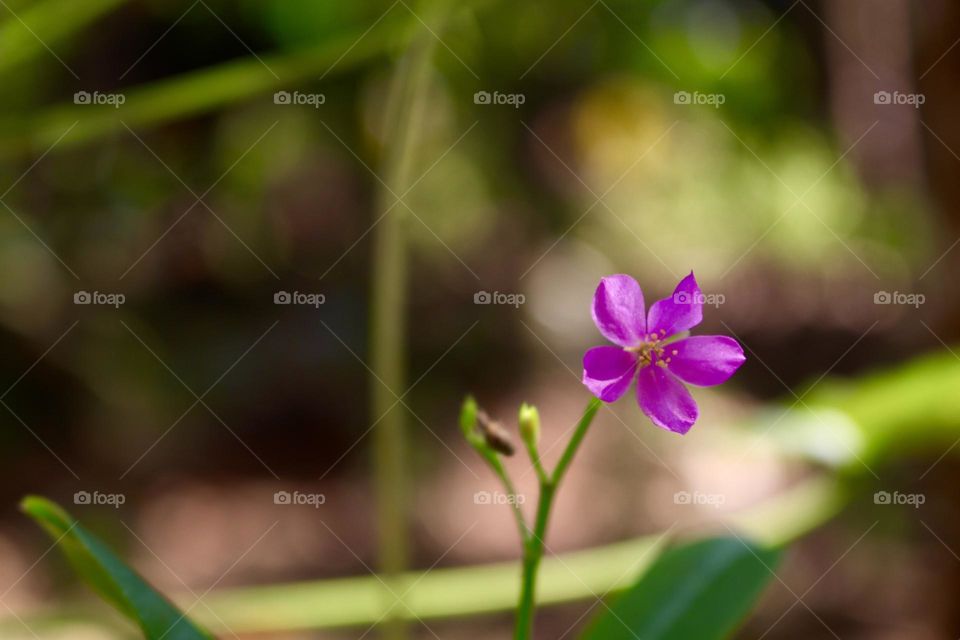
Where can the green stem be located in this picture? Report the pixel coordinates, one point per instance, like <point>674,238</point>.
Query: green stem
<point>585,420</point>
<point>534,544</point>
<point>532,554</point>
<point>534,454</point>
<point>403,125</point>
<point>511,490</point>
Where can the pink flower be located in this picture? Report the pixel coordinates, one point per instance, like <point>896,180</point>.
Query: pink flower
<point>650,349</point>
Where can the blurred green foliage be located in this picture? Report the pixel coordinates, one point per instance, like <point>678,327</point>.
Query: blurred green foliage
<point>104,198</point>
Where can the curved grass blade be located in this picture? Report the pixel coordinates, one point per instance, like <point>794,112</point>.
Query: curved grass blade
<point>29,31</point>
<point>192,93</point>
<point>701,590</point>
<point>113,580</point>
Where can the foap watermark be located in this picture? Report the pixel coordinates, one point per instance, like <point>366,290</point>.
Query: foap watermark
<point>298,98</point>
<point>299,297</point>
<point>715,500</point>
<point>98,98</point>
<point>99,298</point>
<point>498,497</point>
<point>97,498</point>
<point>712,99</point>
<point>899,98</point>
<point>299,499</point>
<point>498,297</point>
<point>512,99</point>
<point>896,297</point>
<point>914,500</point>
<point>711,299</point>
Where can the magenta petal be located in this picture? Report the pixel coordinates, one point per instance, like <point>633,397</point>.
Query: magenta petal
<point>608,372</point>
<point>665,400</point>
<point>680,312</point>
<point>704,360</point>
<point>618,310</point>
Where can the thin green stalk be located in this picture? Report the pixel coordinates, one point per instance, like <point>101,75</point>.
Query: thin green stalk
<point>585,421</point>
<point>403,126</point>
<point>542,475</point>
<point>532,554</point>
<point>508,486</point>
<point>534,544</point>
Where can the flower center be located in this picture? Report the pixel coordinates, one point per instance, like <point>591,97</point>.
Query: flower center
<point>653,350</point>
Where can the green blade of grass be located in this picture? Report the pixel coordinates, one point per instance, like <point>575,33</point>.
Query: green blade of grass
<point>699,590</point>
<point>192,93</point>
<point>110,577</point>
<point>29,31</point>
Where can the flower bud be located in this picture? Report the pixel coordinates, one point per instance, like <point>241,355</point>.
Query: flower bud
<point>468,415</point>
<point>468,421</point>
<point>529,425</point>
<point>496,437</point>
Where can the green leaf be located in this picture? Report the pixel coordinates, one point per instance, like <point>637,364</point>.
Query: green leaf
<point>116,583</point>
<point>700,590</point>
<point>37,27</point>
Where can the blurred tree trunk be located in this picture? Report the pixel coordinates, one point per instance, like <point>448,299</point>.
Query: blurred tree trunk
<point>870,51</point>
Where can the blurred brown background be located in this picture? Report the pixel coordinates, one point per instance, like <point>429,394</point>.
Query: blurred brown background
<point>796,201</point>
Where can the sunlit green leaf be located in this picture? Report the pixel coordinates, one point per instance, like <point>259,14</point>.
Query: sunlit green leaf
<point>701,590</point>
<point>27,32</point>
<point>117,583</point>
